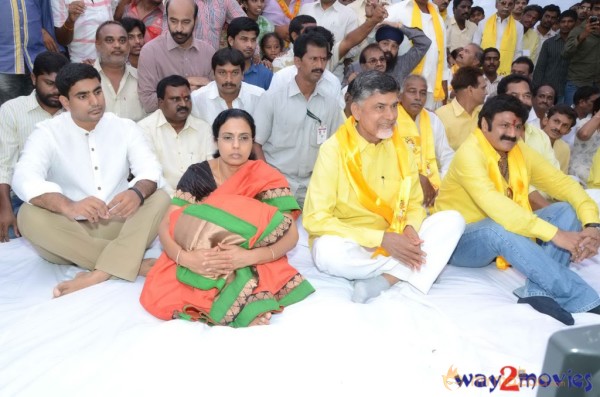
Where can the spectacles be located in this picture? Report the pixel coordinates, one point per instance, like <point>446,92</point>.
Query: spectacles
<point>375,61</point>
<point>243,139</point>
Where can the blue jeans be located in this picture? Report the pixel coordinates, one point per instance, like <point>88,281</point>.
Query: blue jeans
<point>16,204</point>
<point>570,89</point>
<point>545,265</point>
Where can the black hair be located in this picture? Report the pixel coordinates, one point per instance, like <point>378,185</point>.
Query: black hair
<point>242,24</point>
<point>131,23</point>
<point>526,60</point>
<point>311,37</point>
<point>512,79</point>
<point>173,80</point>
<point>565,110</point>
<point>490,49</point>
<point>477,9</point>
<point>193,2</point>
<point>49,62</point>
<point>233,114</point>
<point>456,3</point>
<point>297,24</point>
<point>596,106</point>
<point>465,77</point>
<point>534,7</point>
<point>584,93</point>
<point>551,8</point>
<point>568,14</point>
<point>72,73</point>
<point>228,55</point>
<point>499,104</point>
<point>323,32</point>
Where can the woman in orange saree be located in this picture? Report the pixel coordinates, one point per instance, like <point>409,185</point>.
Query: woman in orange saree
<point>225,238</point>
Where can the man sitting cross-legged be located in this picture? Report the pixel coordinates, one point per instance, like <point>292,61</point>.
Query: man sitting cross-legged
<point>488,184</point>
<point>364,205</point>
<point>73,173</point>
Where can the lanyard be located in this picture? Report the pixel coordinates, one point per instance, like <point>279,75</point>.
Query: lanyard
<point>313,116</point>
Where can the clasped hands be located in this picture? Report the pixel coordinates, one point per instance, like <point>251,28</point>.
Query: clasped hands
<point>217,261</point>
<point>405,247</point>
<point>581,245</point>
<point>123,205</point>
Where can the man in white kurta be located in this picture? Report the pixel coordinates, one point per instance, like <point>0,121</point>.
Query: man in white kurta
<point>365,196</point>
<point>73,175</point>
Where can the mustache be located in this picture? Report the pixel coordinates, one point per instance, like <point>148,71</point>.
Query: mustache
<point>318,70</point>
<point>180,108</point>
<point>228,85</point>
<point>508,138</point>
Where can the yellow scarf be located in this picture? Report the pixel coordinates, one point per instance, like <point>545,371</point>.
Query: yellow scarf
<point>518,183</point>
<point>347,138</point>
<point>422,144</point>
<point>417,22</point>
<point>508,44</point>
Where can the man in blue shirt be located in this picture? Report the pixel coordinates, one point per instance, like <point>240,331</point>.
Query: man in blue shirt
<point>26,29</point>
<point>241,35</point>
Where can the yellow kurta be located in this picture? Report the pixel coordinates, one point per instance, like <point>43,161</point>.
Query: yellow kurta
<point>458,123</point>
<point>467,188</point>
<point>332,207</point>
<point>563,154</point>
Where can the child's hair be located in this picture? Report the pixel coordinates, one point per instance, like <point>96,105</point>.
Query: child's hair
<point>264,40</point>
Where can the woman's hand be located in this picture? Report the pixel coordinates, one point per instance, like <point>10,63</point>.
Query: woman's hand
<point>207,262</point>
<point>239,257</point>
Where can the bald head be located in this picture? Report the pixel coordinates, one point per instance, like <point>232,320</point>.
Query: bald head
<point>182,6</point>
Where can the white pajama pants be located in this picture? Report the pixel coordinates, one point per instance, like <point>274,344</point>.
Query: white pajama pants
<point>343,257</point>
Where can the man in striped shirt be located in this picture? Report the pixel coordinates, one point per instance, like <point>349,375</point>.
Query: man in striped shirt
<point>17,119</point>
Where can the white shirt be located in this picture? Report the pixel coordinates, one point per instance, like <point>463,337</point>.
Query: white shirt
<point>328,84</point>
<point>18,118</point>
<point>61,157</point>
<point>177,151</point>
<point>443,152</point>
<point>500,27</point>
<point>207,103</point>
<point>570,137</point>
<point>125,102</point>
<point>402,12</point>
<point>533,119</point>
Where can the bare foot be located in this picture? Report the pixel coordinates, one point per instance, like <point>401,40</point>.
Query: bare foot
<point>263,319</point>
<point>146,266</point>
<point>81,281</point>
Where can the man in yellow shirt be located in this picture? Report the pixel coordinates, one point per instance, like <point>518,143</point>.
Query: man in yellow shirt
<point>557,123</point>
<point>364,206</point>
<point>460,116</point>
<point>488,184</point>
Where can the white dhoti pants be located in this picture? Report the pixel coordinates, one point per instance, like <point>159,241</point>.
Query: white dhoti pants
<point>343,257</point>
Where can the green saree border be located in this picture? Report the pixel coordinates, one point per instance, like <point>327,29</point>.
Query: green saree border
<point>186,276</point>
<point>178,202</point>
<point>275,221</point>
<point>253,310</point>
<point>284,203</point>
<point>229,294</point>
<point>297,294</point>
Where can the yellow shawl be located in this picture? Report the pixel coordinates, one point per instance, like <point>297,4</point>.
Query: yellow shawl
<point>508,44</point>
<point>396,218</point>
<point>518,186</point>
<point>421,142</point>
<point>417,22</point>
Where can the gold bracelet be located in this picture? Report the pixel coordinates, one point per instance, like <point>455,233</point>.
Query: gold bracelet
<point>177,257</point>
<point>272,252</point>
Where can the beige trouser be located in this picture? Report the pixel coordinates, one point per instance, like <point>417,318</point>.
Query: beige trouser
<point>113,246</point>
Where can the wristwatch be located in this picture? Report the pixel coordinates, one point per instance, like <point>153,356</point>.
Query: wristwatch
<point>595,225</point>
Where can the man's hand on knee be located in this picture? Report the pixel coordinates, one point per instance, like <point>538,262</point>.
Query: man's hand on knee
<point>405,247</point>
<point>7,219</point>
